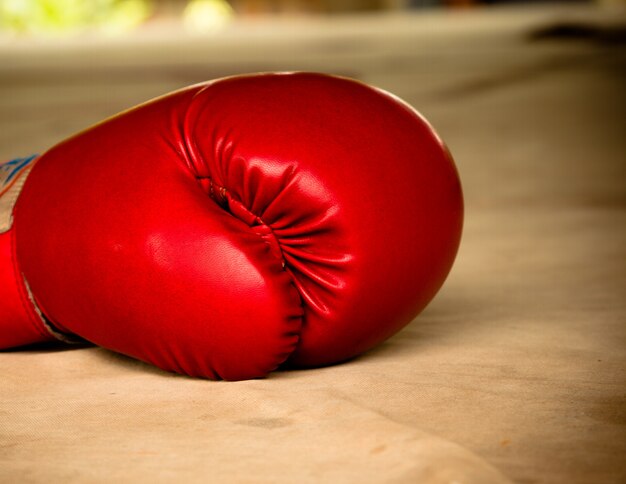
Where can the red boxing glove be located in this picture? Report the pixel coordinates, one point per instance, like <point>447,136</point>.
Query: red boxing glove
<point>232,226</point>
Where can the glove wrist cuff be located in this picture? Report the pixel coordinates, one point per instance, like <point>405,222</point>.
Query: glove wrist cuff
<point>21,322</point>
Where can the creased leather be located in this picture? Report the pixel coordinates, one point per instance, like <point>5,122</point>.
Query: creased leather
<point>226,228</point>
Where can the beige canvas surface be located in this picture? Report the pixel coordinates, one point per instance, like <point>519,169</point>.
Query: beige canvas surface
<point>515,372</point>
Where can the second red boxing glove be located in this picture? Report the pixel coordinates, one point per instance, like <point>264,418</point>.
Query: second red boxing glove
<point>226,228</point>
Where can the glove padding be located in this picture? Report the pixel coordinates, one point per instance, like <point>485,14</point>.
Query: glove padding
<point>232,226</point>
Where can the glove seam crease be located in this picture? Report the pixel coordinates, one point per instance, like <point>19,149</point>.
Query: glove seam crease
<point>27,303</point>
<point>225,201</point>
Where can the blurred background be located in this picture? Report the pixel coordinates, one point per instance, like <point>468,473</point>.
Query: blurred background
<point>522,353</point>
<point>66,17</point>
